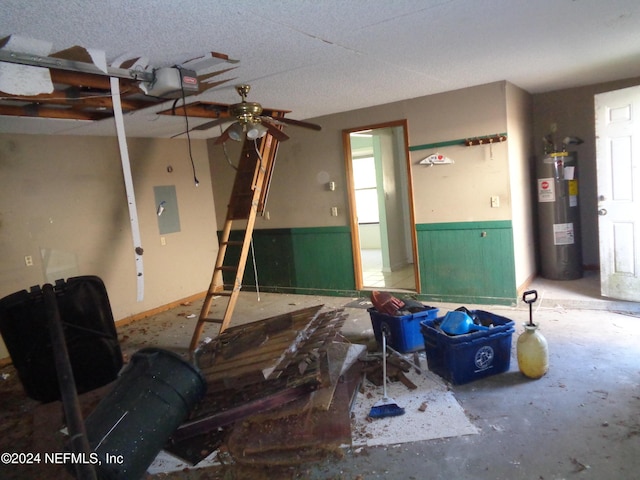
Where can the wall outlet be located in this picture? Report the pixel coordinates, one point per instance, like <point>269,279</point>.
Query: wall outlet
<point>334,211</point>
<point>495,201</point>
<point>163,241</point>
<point>28,261</point>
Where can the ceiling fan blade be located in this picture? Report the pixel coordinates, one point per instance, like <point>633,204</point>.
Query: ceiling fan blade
<point>299,123</point>
<point>211,124</point>
<point>204,126</point>
<point>274,131</point>
<point>223,138</point>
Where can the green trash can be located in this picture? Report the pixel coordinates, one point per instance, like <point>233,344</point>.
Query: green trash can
<point>152,397</point>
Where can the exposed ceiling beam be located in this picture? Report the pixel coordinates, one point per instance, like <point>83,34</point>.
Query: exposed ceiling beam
<point>40,111</point>
<point>82,91</point>
<point>75,98</point>
<point>88,97</point>
<point>211,110</point>
<point>91,80</point>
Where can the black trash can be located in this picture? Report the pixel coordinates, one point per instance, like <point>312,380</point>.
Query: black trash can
<point>152,397</point>
<point>89,331</point>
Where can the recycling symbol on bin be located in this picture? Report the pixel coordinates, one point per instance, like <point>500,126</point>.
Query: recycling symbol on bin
<point>484,357</point>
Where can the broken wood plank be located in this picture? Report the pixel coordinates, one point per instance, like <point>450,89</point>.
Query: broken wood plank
<point>278,351</point>
<point>245,382</point>
<point>281,329</point>
<point>221,419</point>
<point>295,433</point>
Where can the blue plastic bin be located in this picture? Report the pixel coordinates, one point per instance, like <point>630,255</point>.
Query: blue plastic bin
<point>403,332</point>
<point>465,358</point>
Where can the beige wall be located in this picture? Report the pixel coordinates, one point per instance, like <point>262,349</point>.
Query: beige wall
<point>520,150</point>
<point>444,193</point>
<point>66,194</point>
<point>460,192</point>
<point>573,113</point>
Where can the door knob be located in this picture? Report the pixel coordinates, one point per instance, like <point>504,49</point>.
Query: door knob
<point>602,211</point>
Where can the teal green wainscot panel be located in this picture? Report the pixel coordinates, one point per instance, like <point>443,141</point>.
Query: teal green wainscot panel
<point>467,262</point>
<point>323,260</point>
<point>314,261</point>
<point>273,255</point>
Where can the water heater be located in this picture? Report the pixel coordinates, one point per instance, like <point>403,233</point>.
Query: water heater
<point>559,216</point>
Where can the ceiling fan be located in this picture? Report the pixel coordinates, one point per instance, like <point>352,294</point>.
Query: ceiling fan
<point>250,122</point>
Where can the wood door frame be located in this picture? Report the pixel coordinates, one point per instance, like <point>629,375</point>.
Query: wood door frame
<point>353,217</point>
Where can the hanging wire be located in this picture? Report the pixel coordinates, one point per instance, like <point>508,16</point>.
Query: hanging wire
<point>226,153</point>
<point>186,120</point>
<point>255,268</point>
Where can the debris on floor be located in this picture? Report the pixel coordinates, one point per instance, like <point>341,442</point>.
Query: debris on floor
<point>286,391</point>
<point>397,367</point>
<point>290,390</point>
<point>283,377</point>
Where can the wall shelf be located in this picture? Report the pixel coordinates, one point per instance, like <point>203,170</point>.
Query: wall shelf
<point>471,141</point>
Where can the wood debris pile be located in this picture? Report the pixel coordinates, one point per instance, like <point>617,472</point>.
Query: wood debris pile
<point>279,391</point>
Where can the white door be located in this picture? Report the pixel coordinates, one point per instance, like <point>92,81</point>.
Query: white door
<point>618,166</point>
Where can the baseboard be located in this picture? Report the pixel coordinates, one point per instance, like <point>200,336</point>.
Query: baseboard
<point>160,309</point>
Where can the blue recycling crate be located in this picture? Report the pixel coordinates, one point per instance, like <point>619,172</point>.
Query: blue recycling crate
<point>465,358</point>
<point>403,332</point>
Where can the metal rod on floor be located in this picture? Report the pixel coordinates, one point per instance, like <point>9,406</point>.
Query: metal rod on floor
<point>75,425</point>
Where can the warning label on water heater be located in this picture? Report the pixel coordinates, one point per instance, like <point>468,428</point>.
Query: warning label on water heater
<point>546,190</point>
<point>563,234</point>
<point>573,193</point>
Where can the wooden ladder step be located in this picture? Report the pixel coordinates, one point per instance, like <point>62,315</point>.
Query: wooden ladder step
<point>233,242</point>
<point>227,268</point>
<point>222,293</point>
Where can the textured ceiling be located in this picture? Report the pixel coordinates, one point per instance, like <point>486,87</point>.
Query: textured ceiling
<point>320,57</point>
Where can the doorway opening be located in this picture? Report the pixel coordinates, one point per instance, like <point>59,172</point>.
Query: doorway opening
<point>383,235</point>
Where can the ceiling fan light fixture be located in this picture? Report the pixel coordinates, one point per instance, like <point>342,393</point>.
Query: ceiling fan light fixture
<point>236,132</point>
<point>256,130</point>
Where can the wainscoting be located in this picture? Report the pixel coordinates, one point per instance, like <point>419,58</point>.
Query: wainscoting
<point>466,262</point>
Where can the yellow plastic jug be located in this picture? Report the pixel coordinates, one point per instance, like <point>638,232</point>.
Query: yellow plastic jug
<point>532,347</point>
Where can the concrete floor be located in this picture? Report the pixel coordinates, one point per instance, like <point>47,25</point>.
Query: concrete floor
<point>581,420</point>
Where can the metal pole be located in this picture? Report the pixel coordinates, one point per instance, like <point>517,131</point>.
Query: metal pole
<point>75,424</point>
<point>73,66</point>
